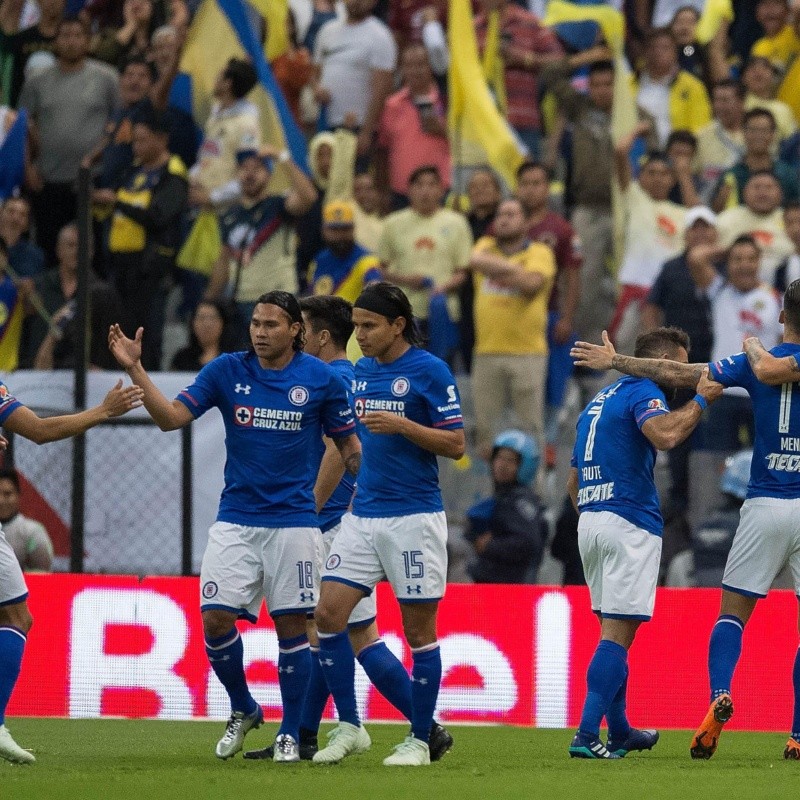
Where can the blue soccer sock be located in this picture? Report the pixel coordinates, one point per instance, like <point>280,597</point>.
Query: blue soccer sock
<point>294,669</point>
<point>339,667</point>
<point>724,650</point>
<point>618,725</point>
<point>12,646</point>
<point>388,675</point>
<point>605,676</point>
<point>426,676</point>
<point>796,683</point>
<point>316,697</point>
<point>226,655</point>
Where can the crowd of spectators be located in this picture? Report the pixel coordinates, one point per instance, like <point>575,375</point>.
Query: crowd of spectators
<point>502,278</point>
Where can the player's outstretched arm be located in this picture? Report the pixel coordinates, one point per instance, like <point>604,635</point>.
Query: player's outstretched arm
<point>41,430</point>
<point>445,443</point>
<point>168,415</point>
<point>767,368</point>
<point>664,372</point>
<point>669,430</point>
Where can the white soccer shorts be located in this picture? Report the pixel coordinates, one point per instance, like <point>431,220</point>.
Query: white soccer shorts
<point>243,564</point>
<point>367,608</point>
<point>768,538</point>
<point>409,551</point>
<point>12,581</point>
<point>620,562</point>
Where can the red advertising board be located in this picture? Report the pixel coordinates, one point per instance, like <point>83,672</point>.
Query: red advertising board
<point>120,646</point>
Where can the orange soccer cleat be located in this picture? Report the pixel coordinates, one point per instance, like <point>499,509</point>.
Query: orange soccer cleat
<point>792,751</point>
<point>704,742</point>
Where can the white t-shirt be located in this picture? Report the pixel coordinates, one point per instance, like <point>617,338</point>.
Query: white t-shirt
<point>737,315</point>
<point>347,54</point>
<point>767,230</point>
<point>653,97</point>
<point>653,235</point>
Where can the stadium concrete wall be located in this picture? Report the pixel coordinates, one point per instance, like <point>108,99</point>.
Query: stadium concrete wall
<point>124,647</point>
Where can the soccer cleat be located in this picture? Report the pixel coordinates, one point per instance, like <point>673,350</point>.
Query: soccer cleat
<point>238,725</point>
<point>705,741</point>
<point>439,742</point>
<point>308,746</point>
<point>792,751</point>
<point>410,752</point>
<point>344,740</point>
<point>635,740</point>
<point>584,746</point>
<point>286,749</point>
<point>11,751</point>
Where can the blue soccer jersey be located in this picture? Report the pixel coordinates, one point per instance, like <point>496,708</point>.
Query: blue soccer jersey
<point>339,501</point>
<point>273,420</point>
<point>614,458</point>
<point>775,469</point>
<point>8,403</point>
<point>398,477</point>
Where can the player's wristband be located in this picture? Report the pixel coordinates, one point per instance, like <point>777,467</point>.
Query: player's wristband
<point>701,401</point>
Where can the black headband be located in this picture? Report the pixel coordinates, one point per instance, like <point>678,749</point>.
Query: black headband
<point>379,304</point>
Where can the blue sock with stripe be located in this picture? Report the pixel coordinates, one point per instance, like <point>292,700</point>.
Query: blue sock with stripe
<point>226,655</point>
<point>426,675</point>
<point>796,684</point>
<point>316,697</point>
<point>339,667</point>
<point>12,646</point>
<point>618,725</point>
<point>388,675</point>
<point>724,650</point>
<point>605,676</point>
<point>294,669</point>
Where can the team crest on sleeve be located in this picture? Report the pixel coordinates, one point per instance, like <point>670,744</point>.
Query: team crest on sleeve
<point>657,405</point>
<point>400,386</point>
<point>5,396</point>
<point>333,562</point>
<point>298,395</point>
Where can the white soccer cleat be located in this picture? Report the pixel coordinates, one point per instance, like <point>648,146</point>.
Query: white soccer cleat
<point>344,740</point>
<point>286,749</point>
<point>11,751</point>
<point>237,728</point>
<point>409,753</point>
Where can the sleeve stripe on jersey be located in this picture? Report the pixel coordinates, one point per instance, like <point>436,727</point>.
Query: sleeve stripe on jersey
<point>187,396</point>
<point>451,421</point>
<point>649,413</point>
<point>349,427</point>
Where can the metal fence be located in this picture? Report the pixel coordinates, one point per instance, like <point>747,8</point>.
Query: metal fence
<point>96,488</point>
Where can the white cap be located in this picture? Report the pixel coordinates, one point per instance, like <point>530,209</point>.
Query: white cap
<point>700,213</point>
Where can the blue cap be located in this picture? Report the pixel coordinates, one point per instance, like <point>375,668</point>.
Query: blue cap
<point>525,447</point>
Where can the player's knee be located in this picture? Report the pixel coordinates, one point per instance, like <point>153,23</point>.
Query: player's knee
<point>18,616</point>
<point>328,619</point>
<point>217,623</point>
<point>419,634</point>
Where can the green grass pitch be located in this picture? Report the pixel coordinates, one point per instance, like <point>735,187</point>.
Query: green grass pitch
<point>151,760</point>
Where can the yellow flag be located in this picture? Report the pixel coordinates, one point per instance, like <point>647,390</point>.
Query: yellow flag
<point>478,132</point>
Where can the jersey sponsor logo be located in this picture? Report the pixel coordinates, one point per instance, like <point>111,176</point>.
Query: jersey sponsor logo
<point>400,387</point>
<point>783,462</point>
<point>359,386</point>
<point>596,494</point>
<point>657,405</point>
<point>240,388</point>
<point>5,396</point>
<point>359,407</point>
<point>363,406</point>
<point>298,395</point>
<point>210,589</point>
<point>274,419</point>
<point>333,561</point>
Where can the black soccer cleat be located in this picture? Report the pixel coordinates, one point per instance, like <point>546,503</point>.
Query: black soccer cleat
<point>308,746</point>
<point>440,741</point>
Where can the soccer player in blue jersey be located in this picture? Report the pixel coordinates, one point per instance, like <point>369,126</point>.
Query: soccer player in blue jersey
<point>768,536</point>
<point>408,412</point>
<point>15,618</point>
<point>276,402</point>
<point>620,526</point>
<point>328,328</point>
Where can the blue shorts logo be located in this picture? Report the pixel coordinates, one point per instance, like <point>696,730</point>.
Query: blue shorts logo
<point>333,562</point>
<point>298,395</point>
<point>210,590</point>
<point>400,387</point>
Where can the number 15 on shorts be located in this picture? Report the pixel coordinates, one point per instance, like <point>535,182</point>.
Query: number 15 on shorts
<point>413,564</point>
